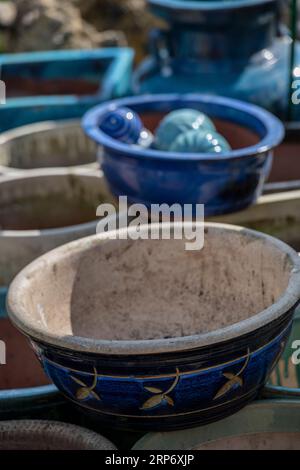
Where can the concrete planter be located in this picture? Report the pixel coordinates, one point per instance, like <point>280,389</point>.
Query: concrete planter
<point>45,145</point>
<point>38,212</point>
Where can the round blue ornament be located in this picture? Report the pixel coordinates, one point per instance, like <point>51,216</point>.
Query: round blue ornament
<point>200,141</point>
<point>122,124</point>
<point>178,122</point>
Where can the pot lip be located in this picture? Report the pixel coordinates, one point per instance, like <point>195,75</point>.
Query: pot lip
<point>52,172</point>
<point>274,129</point>
<point>18,314</point>
<point>192,6</point>
<point>85,438</point>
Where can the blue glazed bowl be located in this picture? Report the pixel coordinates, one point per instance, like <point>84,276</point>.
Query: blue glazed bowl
<point>53,85</point>
<point>224,183</point>
<point>136,333</point>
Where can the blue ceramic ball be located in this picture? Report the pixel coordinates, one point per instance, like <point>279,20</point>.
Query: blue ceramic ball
<point>200,141</point>
<point>177,122</point>
<point>122,124</point>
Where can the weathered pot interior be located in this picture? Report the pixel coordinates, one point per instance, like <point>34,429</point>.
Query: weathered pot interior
<point>22,368</point>
<point>237,136</point>
<point>49,201</point>
<point>46,145</point>
<point>256,441</point>
<point>149,289</point>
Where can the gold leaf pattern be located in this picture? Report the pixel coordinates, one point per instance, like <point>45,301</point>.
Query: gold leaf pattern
<point>233,379</point>
<point>160,396</point>
<point>86,391</point>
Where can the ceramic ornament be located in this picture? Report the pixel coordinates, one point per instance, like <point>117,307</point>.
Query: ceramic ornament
<point>122,124</point>
<point>177,122</point>
<point>200,141</point>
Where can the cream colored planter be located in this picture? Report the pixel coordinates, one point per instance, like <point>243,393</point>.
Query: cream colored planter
<point>45,209</point>
<point>44,145</point>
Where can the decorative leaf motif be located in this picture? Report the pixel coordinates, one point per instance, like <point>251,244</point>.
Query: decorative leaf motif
<point>152,402</point>
<point>233,379</point>
<point>85,391</point>
<point>159,395</point>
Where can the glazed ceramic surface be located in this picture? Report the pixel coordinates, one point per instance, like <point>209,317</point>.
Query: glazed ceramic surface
<point>45,145</point>
<point>223,183</point>
<point>136,334</point>
<point>231,48</point>
<point>38,212</point>
<point>49,435</point>
<point>278,215</point>
<point>265,425</point>
<point>48,85</point>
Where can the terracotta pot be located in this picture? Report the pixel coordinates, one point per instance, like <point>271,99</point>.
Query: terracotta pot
<point>38,212</point>
<point>138,334</point>
<point>49,435</point>
<point>46,144</point>
<point>265,425</point>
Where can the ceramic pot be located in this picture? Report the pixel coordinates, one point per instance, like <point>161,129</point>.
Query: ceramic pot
<point>278,215</point>
<point>49,435</point>
<point>38,212</point>
<point>224,183</point>
<point>45,145</point>
<point>234,48</point>
<point>265,425</point>
<point>136,333</point>
<point>55,85</point>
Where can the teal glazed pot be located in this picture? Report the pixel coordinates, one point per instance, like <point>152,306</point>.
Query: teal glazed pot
<point>136,334</point>
<point>232,48</point>
<point>53,85</point>
<point>224,182</point>
<point>265,425</point>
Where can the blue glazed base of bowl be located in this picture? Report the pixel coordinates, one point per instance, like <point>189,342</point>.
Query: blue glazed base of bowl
<point>170,391</point>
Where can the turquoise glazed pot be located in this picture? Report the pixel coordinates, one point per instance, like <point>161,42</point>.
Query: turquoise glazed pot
<point>54,85</point>
<point>265,425</point>
<point>232,48</point>
<point>224,183</point>
<point>135,333</point>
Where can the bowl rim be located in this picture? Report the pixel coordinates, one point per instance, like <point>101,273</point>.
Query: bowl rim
<point>83,437</point>
<point>273,127</point>
<point>18,314</point>
<point>206,5</point>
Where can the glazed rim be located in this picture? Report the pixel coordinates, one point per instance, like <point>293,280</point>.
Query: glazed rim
<point>43,172</point>
<point>273,129</point>
<point>30,431</point>
<point>207,5</point>
<point>18,313</point>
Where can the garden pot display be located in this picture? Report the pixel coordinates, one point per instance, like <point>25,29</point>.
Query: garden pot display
<point>46,144</point>
<point>49,435</point>
<point>38,212</point>
<point>48,85</point>
<point>136,334</point>
<point>230,48</point>
<point>277,215</point>
<point>264,425</point>
<point>224,183</point>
